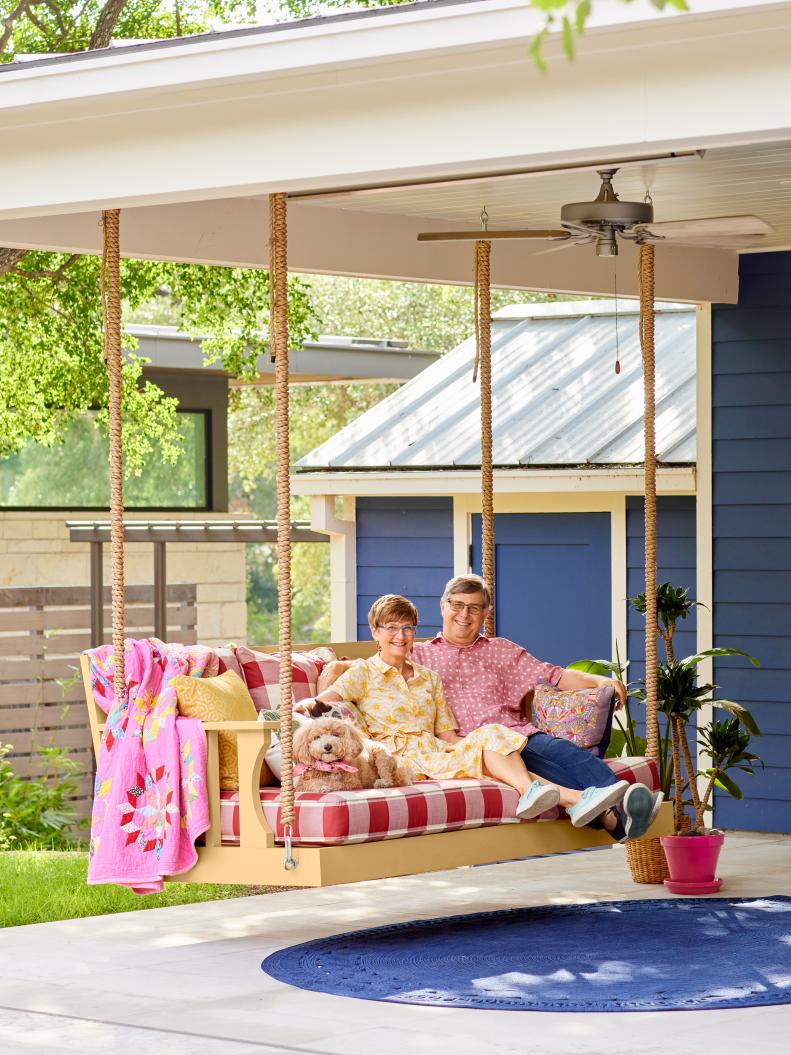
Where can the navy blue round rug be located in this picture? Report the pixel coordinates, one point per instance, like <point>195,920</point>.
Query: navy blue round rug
<point>690,954</point>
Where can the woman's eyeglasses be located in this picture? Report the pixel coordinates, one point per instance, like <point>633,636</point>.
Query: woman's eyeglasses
<point>459,606</point>
<point>391,630</point>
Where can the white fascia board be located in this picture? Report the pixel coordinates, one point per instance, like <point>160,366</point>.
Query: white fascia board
<point>305,48</point>
<point>676,480</point>
<point>282,49</point>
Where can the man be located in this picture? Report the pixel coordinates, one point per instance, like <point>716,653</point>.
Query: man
<point>487,679</point>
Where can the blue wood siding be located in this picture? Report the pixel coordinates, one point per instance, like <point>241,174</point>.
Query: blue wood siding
<point>751,453</point>
<point>404,545</point>
<point>553,590</point>
<point>675,558</point>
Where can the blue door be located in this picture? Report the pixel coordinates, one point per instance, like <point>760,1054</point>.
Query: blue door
<point>552,582</point>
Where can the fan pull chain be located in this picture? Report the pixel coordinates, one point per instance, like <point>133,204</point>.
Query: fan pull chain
<point>615,295</point>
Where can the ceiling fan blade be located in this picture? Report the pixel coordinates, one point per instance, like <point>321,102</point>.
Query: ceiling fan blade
<point>466,236</point>
<point>718,231</point>
<point>564,245</point>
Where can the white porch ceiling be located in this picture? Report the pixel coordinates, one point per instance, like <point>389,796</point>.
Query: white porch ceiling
<point>750,179</point>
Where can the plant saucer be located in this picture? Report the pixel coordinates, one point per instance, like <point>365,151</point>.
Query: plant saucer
<point>711,886</point>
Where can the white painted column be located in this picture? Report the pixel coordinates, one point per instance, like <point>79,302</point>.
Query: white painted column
<point>343,562</point>
<point>618,577</point>
<point>704,520</point>
<point>462,536</point>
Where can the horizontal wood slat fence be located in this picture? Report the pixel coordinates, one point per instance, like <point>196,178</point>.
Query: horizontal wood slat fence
<point>43,629</point>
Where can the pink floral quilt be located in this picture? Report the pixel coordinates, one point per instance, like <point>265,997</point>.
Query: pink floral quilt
<point>150,802</point>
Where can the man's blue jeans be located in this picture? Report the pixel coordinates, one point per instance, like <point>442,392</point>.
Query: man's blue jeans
<point>562,762</point>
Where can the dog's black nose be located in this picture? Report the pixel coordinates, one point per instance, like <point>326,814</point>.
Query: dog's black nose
<point>328,747</point>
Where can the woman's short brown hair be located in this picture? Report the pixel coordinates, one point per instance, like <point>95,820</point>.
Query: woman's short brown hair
<point>392,607</point>
<point>469,584</point>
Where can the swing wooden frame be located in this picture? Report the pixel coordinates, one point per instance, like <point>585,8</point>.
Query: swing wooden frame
<point>259,858</point>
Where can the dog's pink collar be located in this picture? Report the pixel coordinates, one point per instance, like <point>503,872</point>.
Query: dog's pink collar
<point>324,767</point>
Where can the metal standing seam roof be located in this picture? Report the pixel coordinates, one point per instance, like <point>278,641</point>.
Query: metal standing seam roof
<point>556,399</point>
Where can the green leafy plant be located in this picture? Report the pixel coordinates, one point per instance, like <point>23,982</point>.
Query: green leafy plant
<point>679,698</point>
<point>726,742</point>
<point>39,813</point>
<point>672,604</point>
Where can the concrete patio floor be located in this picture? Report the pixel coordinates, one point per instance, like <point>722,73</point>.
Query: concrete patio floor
<point>188,979</point>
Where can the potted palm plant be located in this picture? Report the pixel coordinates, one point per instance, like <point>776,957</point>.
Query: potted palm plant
<point>692,851</point>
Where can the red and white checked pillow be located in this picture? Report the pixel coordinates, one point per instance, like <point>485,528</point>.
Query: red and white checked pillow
<point>261,673</point>
<point>228,661</point>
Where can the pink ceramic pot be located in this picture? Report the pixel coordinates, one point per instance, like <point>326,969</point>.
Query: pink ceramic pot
<point>692,860</point>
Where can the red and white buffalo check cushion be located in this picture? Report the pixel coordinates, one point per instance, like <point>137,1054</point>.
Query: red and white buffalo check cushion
<point>262,676</point>
<point>391,813</point>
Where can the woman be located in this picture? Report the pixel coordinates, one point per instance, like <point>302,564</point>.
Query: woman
<point>404,708</point>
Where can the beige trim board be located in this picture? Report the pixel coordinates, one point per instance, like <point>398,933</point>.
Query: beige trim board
<point>464,506</point>
<point>467,482</point>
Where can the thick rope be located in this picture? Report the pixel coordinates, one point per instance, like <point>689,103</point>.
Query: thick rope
<point>646,276</point>
<point>110,282</point>
<point>278,329</point>
<point>483,356</point>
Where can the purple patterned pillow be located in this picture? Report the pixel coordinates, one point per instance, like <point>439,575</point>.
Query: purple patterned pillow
<point>580,715</point>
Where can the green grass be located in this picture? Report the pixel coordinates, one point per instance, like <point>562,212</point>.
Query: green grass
<point>38,886</point>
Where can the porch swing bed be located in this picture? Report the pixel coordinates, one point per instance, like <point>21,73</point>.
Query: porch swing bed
<point>276,835</point>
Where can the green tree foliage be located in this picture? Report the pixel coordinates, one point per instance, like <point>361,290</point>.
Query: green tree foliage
<point>51,366</point>
<point>51,26</point>
<point>428,317</point>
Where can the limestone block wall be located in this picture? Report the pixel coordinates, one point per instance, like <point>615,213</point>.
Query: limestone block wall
<point>35,551</point>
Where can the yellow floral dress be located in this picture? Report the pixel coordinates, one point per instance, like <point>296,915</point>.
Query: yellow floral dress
<point>406,716</point>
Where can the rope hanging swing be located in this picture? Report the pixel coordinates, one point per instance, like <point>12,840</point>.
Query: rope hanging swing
<point>646,857</point>
<point>278,305</point>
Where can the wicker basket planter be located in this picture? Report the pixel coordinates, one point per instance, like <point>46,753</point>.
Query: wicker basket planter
<point>647,861</point>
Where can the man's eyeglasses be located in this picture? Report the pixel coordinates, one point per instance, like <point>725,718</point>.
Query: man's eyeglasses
<point>459,606</point>
<point>391,630</point>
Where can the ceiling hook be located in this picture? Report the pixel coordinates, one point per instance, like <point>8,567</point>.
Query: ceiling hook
<point>484,219</point>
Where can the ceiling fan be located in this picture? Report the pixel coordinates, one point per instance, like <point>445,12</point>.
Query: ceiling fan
<point>601,220</point>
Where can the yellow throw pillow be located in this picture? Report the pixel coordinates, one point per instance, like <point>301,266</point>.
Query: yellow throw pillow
<point>221,699</point>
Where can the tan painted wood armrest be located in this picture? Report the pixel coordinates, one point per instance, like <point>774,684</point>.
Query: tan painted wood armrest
<point>252,741</point>
<point>239,727</point>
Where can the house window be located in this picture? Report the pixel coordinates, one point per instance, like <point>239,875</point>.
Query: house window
<point>74,474</point>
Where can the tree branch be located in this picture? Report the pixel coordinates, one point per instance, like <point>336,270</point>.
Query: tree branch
<point>56,275</point>
<point>11,20</point>
<point>9,258</point>
<point>108,20</point>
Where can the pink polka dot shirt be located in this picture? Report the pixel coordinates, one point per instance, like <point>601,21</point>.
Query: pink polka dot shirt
<point>486,681</point>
